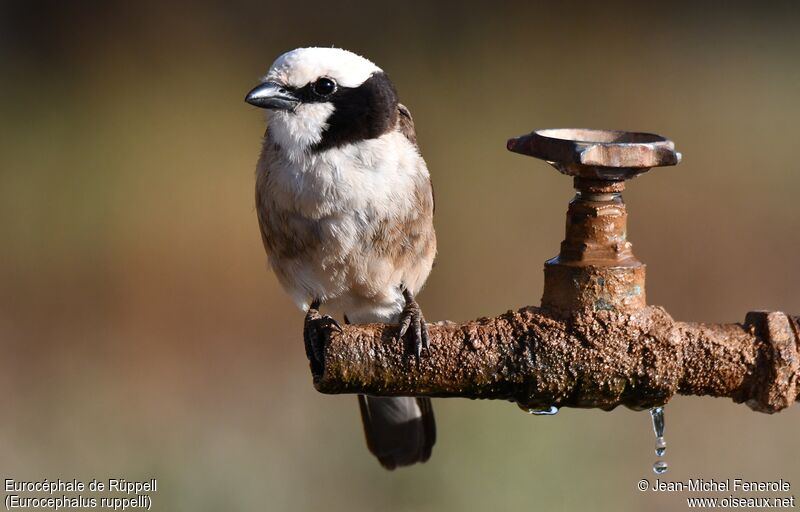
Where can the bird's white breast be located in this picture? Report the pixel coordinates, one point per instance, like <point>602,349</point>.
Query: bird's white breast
<point>342,194</point>
<point>375,176</point>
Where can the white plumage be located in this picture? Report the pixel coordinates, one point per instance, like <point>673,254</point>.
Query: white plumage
<point>301,66</point>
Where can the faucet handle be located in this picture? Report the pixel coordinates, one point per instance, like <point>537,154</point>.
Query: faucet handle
<point>596,268</point>
<point>597,154</point>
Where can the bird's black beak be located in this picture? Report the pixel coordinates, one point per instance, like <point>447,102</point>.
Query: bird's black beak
<point>272,96</point>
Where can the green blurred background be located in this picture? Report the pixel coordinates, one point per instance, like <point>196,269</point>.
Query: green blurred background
<point>143,337</point>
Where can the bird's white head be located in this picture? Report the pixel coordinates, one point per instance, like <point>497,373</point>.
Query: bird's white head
<point>303,66</point>
<point>321,98</point>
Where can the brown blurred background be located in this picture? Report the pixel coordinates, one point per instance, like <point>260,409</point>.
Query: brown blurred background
<point>143,337</point>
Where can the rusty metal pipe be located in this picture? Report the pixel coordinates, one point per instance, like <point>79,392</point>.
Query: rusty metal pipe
<point>594,342</point>
<point>602,360</point>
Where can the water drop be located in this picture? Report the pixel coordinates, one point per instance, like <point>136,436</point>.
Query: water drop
<point>661,446</point>
<point>660,467</point>
<point>657,413</point>
<point>550,411</point>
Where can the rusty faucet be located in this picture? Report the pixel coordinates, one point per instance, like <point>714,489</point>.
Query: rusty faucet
<point>594,341</point>
<point>596,267</point>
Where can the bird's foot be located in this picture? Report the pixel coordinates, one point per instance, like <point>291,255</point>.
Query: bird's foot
<point>314,336</point>
<point>413,324</point>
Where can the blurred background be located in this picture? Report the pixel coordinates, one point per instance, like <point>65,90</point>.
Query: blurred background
<point>142,335</point>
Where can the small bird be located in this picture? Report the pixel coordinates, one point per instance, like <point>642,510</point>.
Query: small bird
<point>345,206</point>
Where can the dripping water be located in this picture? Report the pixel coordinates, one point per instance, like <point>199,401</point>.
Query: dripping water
<point>661,446</point>
<point>550,411</point>
<point>657,415</point>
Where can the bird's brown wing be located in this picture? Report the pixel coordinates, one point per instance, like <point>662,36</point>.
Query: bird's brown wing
<point>405,123</point>
<point>266,223</point>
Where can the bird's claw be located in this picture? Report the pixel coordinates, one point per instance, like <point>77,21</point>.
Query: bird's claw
<point>413,323</point>
<point>314,336</point>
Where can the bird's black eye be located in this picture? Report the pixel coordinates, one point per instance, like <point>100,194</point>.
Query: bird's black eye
<point>324,87</point>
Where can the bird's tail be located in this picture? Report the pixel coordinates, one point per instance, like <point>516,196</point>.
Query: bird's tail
<point>400,431</point>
